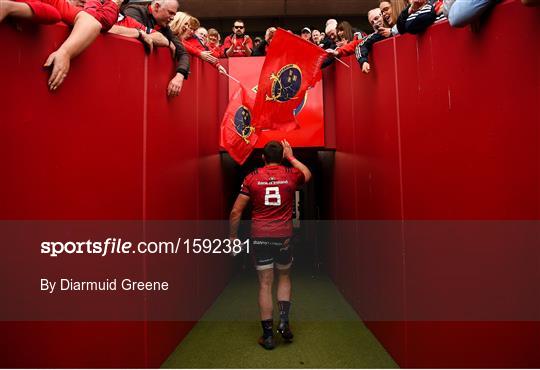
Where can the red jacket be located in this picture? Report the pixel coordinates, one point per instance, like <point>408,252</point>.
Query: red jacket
<point>349,48</point>
<point>216,50</point>
<point>195,47</point>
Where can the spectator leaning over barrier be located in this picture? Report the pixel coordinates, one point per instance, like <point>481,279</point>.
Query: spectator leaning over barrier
<point>238,44</point>
<point>362,47</point>
<point>329,41</point>
<point>390,10</point>
<point>183,25</point>
<point>344,33</point>
<point>322,36</point>
<point>129,27</point>
<point>330,37</point>
<point>306,34</point>
<point>418,16</point>
<point>157,16</point>
<point>362,50</point>
<point>463,12</point>
<point>195,42</point>
<point>87,22</point>
<point>214,39</point>
<point>315,36</point>
<point>261,49</point>
<point>202,35</point>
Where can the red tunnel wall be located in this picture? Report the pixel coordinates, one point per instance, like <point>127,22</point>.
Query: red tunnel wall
<point>128,154</point>
<point>406,161</point>
<point>446,127</point>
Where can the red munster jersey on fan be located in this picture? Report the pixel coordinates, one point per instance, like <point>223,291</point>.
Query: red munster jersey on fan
<point>271,189</point>
<point>238,49</point>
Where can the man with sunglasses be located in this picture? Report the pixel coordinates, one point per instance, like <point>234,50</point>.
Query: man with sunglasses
<point>238,44</point>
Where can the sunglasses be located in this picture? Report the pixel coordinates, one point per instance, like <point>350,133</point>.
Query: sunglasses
<point>239,27</point>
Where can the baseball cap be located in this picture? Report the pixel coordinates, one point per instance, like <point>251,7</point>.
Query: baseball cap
<point>306,30</point>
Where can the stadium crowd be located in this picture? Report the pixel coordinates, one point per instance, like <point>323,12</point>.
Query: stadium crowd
<point>161,24</point>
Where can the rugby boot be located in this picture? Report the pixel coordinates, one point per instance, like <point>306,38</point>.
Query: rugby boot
<point>268,342</point>
<point>285,331</point>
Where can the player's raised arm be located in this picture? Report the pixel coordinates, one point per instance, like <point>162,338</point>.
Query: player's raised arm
<point>288,154</point>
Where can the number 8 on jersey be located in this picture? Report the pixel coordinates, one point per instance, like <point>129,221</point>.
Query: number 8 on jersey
<point>272,196</point>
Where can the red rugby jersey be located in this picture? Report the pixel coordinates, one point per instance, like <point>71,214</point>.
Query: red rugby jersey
<point>271,189</point>
<point>238,50</point>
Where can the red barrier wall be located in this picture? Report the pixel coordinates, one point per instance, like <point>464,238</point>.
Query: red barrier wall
<point>127,153</point>
<point>446,127</point>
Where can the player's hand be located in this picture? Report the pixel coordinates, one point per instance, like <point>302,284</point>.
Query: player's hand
<point>287,149</point>
<point>366,67</point>
<point>175,86</point>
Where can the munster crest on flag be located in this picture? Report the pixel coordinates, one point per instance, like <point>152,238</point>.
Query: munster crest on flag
<point>292,65</point>
<point>238,135</point>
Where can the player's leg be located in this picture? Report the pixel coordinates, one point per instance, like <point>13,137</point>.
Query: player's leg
<point>264,263</point>
<point>266,278</point>
<point>284,303</point>
<point>283,265</point>
<point>35,11</point>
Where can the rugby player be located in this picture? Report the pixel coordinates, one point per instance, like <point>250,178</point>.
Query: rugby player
<point>271,191</point>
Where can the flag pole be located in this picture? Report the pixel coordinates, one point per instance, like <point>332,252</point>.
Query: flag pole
<point>342,62</point>
<point>231,77</point>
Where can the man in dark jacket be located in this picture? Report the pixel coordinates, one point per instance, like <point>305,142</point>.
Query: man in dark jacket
<point>363,48</point>
<point>157,16</point>
<point>418,16</point>
<point>260,50</point>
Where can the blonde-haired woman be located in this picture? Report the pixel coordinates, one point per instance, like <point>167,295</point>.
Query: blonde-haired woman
<point>184,26</point>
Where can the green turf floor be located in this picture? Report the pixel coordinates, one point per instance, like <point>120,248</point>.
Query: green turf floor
<point>328,333</point>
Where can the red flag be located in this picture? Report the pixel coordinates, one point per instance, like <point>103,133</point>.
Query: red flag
<point>292,65</point>
<point>238,135</point>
